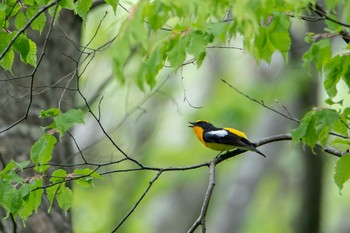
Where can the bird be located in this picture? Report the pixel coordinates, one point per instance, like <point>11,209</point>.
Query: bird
<point>222,139</point>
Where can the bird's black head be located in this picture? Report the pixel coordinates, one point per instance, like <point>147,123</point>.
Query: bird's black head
<point>205,125</point>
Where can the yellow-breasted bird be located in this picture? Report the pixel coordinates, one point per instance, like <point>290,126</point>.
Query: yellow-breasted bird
<point>222,139</point>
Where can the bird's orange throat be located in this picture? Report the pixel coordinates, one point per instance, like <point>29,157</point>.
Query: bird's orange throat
<point>199,133</point>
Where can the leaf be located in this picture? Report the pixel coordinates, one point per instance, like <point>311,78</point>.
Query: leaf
<point>319,53</point>
<point>113,4</point>
<point>33,201</point>
<point>82,7</point>
<point>21,46</point>
<point>58,175</point>
<point>198,45</point>
<point>41,151</point>
<point>7,61</point>
<point>12,200</point>
<point>315,127</point>
<point>87,171</point>
<point>51,193</point>
<point>157,15</point>
<point>22,164</point>
<point>342,171</point>
<point>20,20</point>
<point>86,181</point>
<point>65,121</point>
<point>68,4</point>
<point>279,33</point>
<point>176,51</point>
<point>31,58</point>
<point>150,68</point>
<point>9,167</point>
<point>52,112</point>
<point>332,73</point>
<point>40,21</point>
<point>64,197</point>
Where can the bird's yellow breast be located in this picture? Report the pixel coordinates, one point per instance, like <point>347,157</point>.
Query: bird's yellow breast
<point>219,147</point>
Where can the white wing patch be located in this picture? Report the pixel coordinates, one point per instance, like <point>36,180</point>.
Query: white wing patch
<point>218,133</point>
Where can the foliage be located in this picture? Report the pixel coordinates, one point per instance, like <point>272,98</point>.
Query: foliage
<point>22,196</point>
<point>166,32</point>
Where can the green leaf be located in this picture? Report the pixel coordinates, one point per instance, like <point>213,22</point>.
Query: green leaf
<point>39,22</point>
<point>113,4</point>
<point>64,197</point>
<point>20,20</point>
<point>65,121</point>
<point>22,164</point>
<point>68,4</point>
<point>82,7</point>
<point>198,45</point>
<point>157,15</point>
<point>342,171</point>
<point>12,200</point>
<point>218,30</point>
<point>87,171</point>
<point>89,177</point>
<point>332,73</point>
<point>150,68</point>
<point>176,51</point>
<point>31,58</point>
<point>41,151</point>
<point>346,70</point>
<point>279,33</point>
<point>58,175</point>
<point>319,54</point>
<point>52,112</point>
<point>32,202</point>
<point>7,61</point>
<point>315,127</point>
<point>51,193</point>
<point>9,173</point>
<point>9,167</point>
<point>21,46</point>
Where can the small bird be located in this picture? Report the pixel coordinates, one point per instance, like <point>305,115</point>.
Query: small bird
<point>222,139</point>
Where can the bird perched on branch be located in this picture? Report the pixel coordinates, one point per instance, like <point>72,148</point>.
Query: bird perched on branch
<point>222,139</point>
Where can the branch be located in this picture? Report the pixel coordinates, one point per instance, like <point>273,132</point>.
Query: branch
<point>288,115</point>
<point>260,102</point>
<point>276,138</point>
<point>38,63</point>
<point>137,202</point>
<point>201,219</point>
<point>22,30</point>
<point>319,10</point>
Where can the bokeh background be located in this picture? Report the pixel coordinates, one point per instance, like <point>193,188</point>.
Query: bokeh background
<point>290,191</point>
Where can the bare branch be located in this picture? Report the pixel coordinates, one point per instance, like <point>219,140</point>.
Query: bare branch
<point>38,63</point>
<point>138,201</point>
<point>202,216</point>
<point>261,103</point>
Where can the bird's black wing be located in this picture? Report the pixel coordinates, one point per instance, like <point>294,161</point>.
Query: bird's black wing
<point>222,136</point>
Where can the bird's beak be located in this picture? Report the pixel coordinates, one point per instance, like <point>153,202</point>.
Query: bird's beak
<point>192,124</point>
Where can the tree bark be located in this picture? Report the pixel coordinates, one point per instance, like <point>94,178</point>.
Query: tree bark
<point>52,83</point>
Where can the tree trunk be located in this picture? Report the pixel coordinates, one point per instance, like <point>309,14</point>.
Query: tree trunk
<point>308,217</point>
<point>55,73</point>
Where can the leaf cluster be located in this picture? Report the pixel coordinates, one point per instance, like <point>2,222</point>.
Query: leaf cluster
<point>21,196</point>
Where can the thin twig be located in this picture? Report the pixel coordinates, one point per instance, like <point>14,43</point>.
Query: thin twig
<point>36,67</point>
<point>137,202</point>
<point>202,216</point>
<point>261,103</point>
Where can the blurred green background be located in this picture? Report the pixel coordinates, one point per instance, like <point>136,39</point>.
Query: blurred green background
<point>252,194</point>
